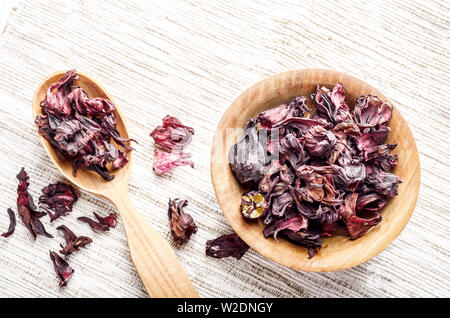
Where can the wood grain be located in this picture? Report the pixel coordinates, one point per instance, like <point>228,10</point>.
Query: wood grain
<point>157,265</point>
<point>338,252</point>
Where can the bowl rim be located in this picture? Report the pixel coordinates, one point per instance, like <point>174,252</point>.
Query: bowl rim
<point>301,266</point>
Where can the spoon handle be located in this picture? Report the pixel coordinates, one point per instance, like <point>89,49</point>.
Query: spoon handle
<point>156,263</point>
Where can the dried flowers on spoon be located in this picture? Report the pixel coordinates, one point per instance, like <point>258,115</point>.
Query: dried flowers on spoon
<point>81,128</point>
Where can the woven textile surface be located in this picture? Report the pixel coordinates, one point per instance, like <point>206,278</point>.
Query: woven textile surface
<point>191,59</point>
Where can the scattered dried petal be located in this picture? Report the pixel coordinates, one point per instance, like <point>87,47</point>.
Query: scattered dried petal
<point>62,269</point>
<point>110,220</point>
<point>182,224</point>
<point>27,209</point>
<point>172,135</point>
<point>96,226</point>
<point>59,197</point>
<point>226,246</point>
<point>73,242</point>
<point>12,223</point>
<point>166,161</point>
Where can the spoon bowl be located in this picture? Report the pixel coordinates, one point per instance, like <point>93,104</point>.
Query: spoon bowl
<point>154,259</point>
<point>85,179</point>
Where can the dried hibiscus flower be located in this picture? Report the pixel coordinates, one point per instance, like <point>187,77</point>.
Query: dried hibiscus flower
<point>226,246</point>
<point>27,210</point>
<point>80,128</point>
<point>333,169</point>
<point>73,242</point>
<point>12,223</point>
<point>59,197</point>
<point>166,161</point>
<point>62,269</point>
<point>172,135</point>
<point>102,224</point>
<point>110,220</point>
<point>182,224</point>
<point>171,138</point>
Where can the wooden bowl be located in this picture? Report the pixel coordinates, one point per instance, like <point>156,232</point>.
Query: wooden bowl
<point>338,252</point>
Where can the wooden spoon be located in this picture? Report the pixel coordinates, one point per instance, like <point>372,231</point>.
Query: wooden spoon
<point>155,261</point>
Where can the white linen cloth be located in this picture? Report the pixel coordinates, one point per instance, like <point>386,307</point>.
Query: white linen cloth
<point>191,59</point>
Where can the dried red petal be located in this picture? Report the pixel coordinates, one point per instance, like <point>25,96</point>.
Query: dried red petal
<point>319,141</point>
<point>294,224</point>
<point>172,135</point>
<point>356,226</point>
<point>12,223</point>
<point>109,220</point>
<point>62,269</point>
<point>90,106</point>
<point>294,108</point>
<point>166,161</point>
<point>182,225</point>
<point>97,226</point>
<point>59,197</point>
<point>371,111</point>
<point>56,102</point>
<point>73,242</point>
<point>27,209</point>
<point>249,156</point>
<point>226,246</point>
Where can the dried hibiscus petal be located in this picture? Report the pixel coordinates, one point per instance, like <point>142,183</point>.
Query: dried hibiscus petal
<point>309,239</point>
<point>172,135</point>
<point>253,205</point>
<point>110,220</point>
<point>371,111</point>
<point>12,223</point>
<point>226,246</point>
<point>59,197</point>
<point>349,172</point>
<point>73,242</point>
<point>182,224</point>
<point>371,202</point>
<point>294,108</point>
<point>96,226</point>
<point>166,161</point>
<point>62,269</point>
<point>27,209</point>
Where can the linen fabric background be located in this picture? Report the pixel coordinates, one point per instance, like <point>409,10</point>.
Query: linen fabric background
<point>191,59</point>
